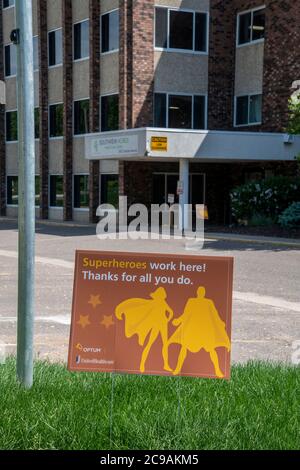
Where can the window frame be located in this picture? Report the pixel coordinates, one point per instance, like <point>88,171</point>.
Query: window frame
<point>11,176</point>
<point>7,77</point>
<point>88,56</point>
<point>114,50</point>
<point>184,51</point>
<point>192,95</point>
<point>235,110</point>
<point>60,137</point>
<point>48,43</point>
<point>9,6</point>
<point>79,209</point>
<point>36,36</point>
<point>116,93</point>
<point>49,193</point>
<point>7,142</point>
<point>75,101</point>
<point>255,41</point>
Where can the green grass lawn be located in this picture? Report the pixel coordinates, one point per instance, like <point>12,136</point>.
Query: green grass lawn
<point>258,409</point>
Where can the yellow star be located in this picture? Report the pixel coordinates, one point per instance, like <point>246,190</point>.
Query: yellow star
<point>95,300</point>
<point>107,321</point>
<point>84,321</point>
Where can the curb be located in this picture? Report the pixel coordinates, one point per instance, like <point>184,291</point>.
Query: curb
<point>293,243</point>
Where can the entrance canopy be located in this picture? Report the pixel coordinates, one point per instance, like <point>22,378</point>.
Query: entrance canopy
<point>152,144</point>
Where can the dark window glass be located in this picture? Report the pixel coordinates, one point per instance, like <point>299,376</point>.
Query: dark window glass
<point>110,31</point>
<point>12,191</point>
<point>110,190</point>
<point>55,47</point>
<point>159,189</point>
<point>199,112</point>
<point>161,27</point>
<point>181,30</point>
<point>81,117</point>
<point>35,53</point>
<point>255,112</point>
<point>10,60</point>
<point>8,3</point>
<point>81,191</point>
<point>81,40</point>
<point>36,123</point>
<point>110,113</point>
<point>242,110</point>
<point>201,32</point>
<point>258,27</point>
<point>56,120</point>
<point>12,126</point>
<point>160,110</point>
<point>244,28</point>
<point>56,191</point>
<point>180,112</point>
<point>37,191</point>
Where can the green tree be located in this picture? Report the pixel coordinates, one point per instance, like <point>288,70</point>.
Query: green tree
<point>294,115</point>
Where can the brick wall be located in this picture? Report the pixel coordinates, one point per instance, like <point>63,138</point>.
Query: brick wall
<point>43,108</point>
<point>2,130</point>
<point>94,166</point>
<point>68,107</point>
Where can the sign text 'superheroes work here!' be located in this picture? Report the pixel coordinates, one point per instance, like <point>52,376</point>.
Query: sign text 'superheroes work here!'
<point>151,314</point>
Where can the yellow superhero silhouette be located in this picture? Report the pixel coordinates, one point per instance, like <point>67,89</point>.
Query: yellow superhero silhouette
<point>144,316</point>
<point>199,327</point>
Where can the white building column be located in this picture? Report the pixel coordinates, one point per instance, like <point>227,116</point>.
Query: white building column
<point>184,165</point>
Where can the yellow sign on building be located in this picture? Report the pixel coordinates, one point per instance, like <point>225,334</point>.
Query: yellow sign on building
<point>159,144</point>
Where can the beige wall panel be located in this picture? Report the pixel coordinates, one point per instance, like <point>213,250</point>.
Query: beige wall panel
<point>56,157</point>
<point>56,85</point>
<point>81,85</point>
<point>12,212</point>
<point>12,159</point>
<point>249,69</point>
<point>80,10</point>
<point>109,73</point>
<point>54,19</point>
<point>56,214</point>
<point>8,24</point>
<point>11,93</point>
<point>108,5</point>
<point>176,72</point>
<point>199,5</point>
<point>81,216</point>
<point>109,166</point>
<point>80,164</point>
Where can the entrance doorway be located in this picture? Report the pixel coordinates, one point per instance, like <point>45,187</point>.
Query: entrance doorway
<point>165,184</point>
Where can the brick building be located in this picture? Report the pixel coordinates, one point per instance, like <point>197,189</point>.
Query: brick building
<point>211,79</point>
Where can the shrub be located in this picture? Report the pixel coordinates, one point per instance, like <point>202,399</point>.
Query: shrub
<point>268,198</point>
<point>259,220</point>
<point>290,218</point>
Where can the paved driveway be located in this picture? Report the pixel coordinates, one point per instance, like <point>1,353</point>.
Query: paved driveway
<point>266,308</point>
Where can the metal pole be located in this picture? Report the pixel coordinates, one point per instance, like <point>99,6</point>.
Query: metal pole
<point>25,93</point>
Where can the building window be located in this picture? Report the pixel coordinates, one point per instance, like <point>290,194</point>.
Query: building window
<point>11,126</point>
<point>55,47</point>
<point>8,3</point>
<point>251,26</point>
<point>56,191</point>
<point>56,120</point>
<point>110,190</point>
<point>180,111</point>
<point>36,123</point>
<point>248,110</point>
<point>181,30</point>
<point>110,31</point>
<point>81,191</point>
<point>37,191</point>
<point>81,117</point>
<point>109,113</point>
<point>12,191</point>
<point>35,53</point>
<point>81,40</point>
<point>10,60</point>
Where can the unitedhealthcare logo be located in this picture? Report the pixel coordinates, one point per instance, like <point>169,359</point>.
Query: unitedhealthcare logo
<point>78,359</point>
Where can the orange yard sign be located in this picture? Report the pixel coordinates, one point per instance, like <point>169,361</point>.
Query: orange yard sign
<point>151,314</point>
